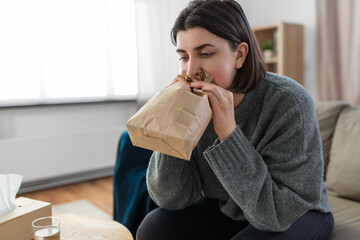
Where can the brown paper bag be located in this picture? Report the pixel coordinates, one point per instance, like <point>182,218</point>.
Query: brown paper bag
<point>172,122</point>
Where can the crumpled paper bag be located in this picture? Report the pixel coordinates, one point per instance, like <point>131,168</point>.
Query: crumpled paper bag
<point>9,186</point>
<point>172,122</point>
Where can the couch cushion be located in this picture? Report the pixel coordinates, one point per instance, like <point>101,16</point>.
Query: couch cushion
<point>347,218</point>
<point>343,173</point>
<point>327,114</point>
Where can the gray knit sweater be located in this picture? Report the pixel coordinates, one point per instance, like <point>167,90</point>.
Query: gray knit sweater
<point>268,172</point>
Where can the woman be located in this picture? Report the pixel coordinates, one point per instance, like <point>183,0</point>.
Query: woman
<point>257,172</point>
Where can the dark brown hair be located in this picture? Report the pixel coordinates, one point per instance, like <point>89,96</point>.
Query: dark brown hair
<point>226,19</point>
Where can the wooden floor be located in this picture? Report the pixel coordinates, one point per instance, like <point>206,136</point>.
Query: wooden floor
<point>99,192</point>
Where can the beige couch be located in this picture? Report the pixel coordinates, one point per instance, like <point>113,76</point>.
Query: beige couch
<point>340,134</point>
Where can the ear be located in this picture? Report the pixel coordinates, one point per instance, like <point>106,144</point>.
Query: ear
<point>241,54</point>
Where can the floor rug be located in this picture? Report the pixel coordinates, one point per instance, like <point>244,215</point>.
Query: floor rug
<point>80,207</point>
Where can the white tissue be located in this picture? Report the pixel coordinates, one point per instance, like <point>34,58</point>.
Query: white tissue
<point>9,186</point>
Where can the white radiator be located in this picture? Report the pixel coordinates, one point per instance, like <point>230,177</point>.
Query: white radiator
<point>52,160</point>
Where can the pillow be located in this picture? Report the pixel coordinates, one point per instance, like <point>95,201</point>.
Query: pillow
<point>327,114</point>
<point>343,173</point>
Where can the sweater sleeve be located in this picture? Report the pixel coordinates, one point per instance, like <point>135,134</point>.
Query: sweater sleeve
<point>172,183</point>
<point>277,179</point>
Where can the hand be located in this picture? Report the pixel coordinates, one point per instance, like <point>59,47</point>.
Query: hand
<point>222,106</point>
<point>180,78</point>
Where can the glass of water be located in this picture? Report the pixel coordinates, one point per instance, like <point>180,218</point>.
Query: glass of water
<point>46,228</point>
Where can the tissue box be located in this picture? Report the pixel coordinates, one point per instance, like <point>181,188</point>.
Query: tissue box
<point>16,225</point>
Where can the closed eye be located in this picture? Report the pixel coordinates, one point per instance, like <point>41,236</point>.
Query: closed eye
<point>207,54</point>
<point>183,58</point>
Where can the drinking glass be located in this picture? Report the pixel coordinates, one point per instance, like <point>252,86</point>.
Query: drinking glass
<point>46,228</point>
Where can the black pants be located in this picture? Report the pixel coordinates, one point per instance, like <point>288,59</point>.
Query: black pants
<point>204,221</point>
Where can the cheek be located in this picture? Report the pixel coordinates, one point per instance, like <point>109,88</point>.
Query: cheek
<point>223,75</point>
<point>223,70</point>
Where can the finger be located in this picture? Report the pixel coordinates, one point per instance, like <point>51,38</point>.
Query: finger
<point>180,78</point>
<point>216,92</point>
<point>214,100</point>
<point>220,98</point>
<point>199,84</point>
<point>177,79</point>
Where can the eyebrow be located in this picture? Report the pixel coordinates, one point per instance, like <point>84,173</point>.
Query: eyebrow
<point>198,47</point>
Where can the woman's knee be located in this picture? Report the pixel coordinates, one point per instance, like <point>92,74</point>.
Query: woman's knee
<point>312,225</point>
<point>155,226</point>
<point>147,227</point>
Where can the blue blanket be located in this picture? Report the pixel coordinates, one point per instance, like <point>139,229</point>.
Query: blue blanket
<point>131,198</point>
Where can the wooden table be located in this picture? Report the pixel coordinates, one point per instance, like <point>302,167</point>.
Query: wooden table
<point>82,227</point>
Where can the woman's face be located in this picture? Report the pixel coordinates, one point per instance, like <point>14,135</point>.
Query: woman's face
<point>200,50</point>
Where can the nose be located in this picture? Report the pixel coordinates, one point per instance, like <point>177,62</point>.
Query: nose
<point>193,67</point>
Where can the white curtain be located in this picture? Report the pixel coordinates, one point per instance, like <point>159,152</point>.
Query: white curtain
<point>338,50</point>
<point>157,60</point>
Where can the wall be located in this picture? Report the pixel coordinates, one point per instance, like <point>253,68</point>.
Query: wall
<point>264,12</point>
<point>60,144</point>
<point>57,119</point>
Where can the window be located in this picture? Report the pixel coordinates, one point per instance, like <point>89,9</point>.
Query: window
<point>55,51</point>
